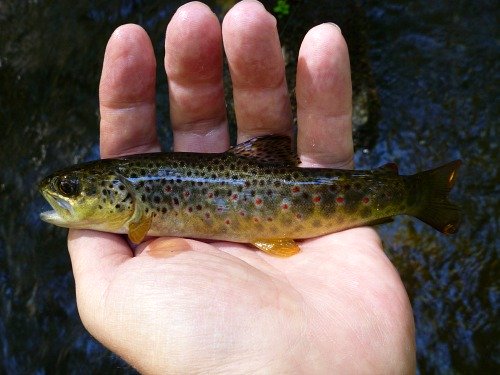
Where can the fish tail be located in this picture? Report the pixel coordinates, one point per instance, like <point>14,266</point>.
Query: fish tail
<point>435,209</point>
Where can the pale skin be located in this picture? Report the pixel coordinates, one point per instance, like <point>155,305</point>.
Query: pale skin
<point>183,306</point>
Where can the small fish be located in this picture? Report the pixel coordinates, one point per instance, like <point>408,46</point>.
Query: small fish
<point>253,193</point>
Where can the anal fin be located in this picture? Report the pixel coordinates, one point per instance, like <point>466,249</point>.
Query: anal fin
<point>281,247</point>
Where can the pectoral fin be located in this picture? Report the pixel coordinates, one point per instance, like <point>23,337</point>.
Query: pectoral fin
<point>137,230</point>
<point>281,247</point>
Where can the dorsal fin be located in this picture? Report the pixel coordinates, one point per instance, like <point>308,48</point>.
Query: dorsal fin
<point>269,149</point>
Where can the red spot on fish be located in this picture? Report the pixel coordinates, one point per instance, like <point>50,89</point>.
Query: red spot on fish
<point>366,200</point>
<point>198,207</point>
<point>295,189</point>
<point>284,206</point>
<point>234,197</point>
<point>227,221</point>
<point>186,194</point>
<point>256,219</point>
<point>210,195</point>
<point>190,209</point>
<point>242,213</point>
<point>316,199</point>
<point>298,216</point>
<point>340,200</point>
<point>219,209</point>
<point>207,215</point>
<point>168,189</point>
<point>269,219</point>
<point>258,201</point>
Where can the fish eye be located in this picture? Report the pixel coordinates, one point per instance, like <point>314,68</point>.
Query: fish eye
<point>69,186</point>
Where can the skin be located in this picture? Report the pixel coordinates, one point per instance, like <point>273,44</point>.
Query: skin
<point>176,305</point>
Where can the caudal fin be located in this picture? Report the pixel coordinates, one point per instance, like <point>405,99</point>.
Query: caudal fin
<point>436,210</point>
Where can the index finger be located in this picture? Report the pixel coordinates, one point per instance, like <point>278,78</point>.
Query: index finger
<point>127,94</point>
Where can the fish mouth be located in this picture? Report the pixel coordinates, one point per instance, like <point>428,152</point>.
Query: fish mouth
<point>62,210</point>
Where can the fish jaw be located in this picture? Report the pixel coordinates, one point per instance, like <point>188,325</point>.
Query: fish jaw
<point>62,211</point>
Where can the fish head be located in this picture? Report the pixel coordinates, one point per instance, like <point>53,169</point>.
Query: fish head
<point>86,197</point>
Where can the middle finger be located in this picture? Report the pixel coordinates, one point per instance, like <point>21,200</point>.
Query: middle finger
<point>193,62</point>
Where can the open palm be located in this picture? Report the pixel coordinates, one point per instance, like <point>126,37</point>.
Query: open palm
<point>175,305</point>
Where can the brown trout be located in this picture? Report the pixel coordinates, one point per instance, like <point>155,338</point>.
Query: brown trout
<point>253,193</point>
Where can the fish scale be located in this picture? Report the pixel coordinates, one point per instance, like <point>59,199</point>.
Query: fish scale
<point>253,193</point>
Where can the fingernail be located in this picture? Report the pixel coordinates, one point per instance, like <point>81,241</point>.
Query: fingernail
<point>165,248</point>
<point>337,26</point>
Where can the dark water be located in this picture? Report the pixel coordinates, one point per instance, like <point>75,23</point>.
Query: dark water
<point>436,70</point>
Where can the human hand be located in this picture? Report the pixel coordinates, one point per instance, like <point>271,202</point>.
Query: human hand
<point>177,305</point>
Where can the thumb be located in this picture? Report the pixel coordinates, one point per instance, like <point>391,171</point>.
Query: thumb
<point>95,256</point>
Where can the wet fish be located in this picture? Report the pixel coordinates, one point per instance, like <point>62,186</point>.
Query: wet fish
<point>253,193</point>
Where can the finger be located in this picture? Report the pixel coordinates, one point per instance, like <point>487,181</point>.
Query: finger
<point>193,62</point>
<point>127,94</point>
<point>257,69</point>
<point>324,99</point>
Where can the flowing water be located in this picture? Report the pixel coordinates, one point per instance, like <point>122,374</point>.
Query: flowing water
<point>435,67</point>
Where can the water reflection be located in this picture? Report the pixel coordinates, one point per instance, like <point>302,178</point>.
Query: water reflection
<point>436,69</point>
